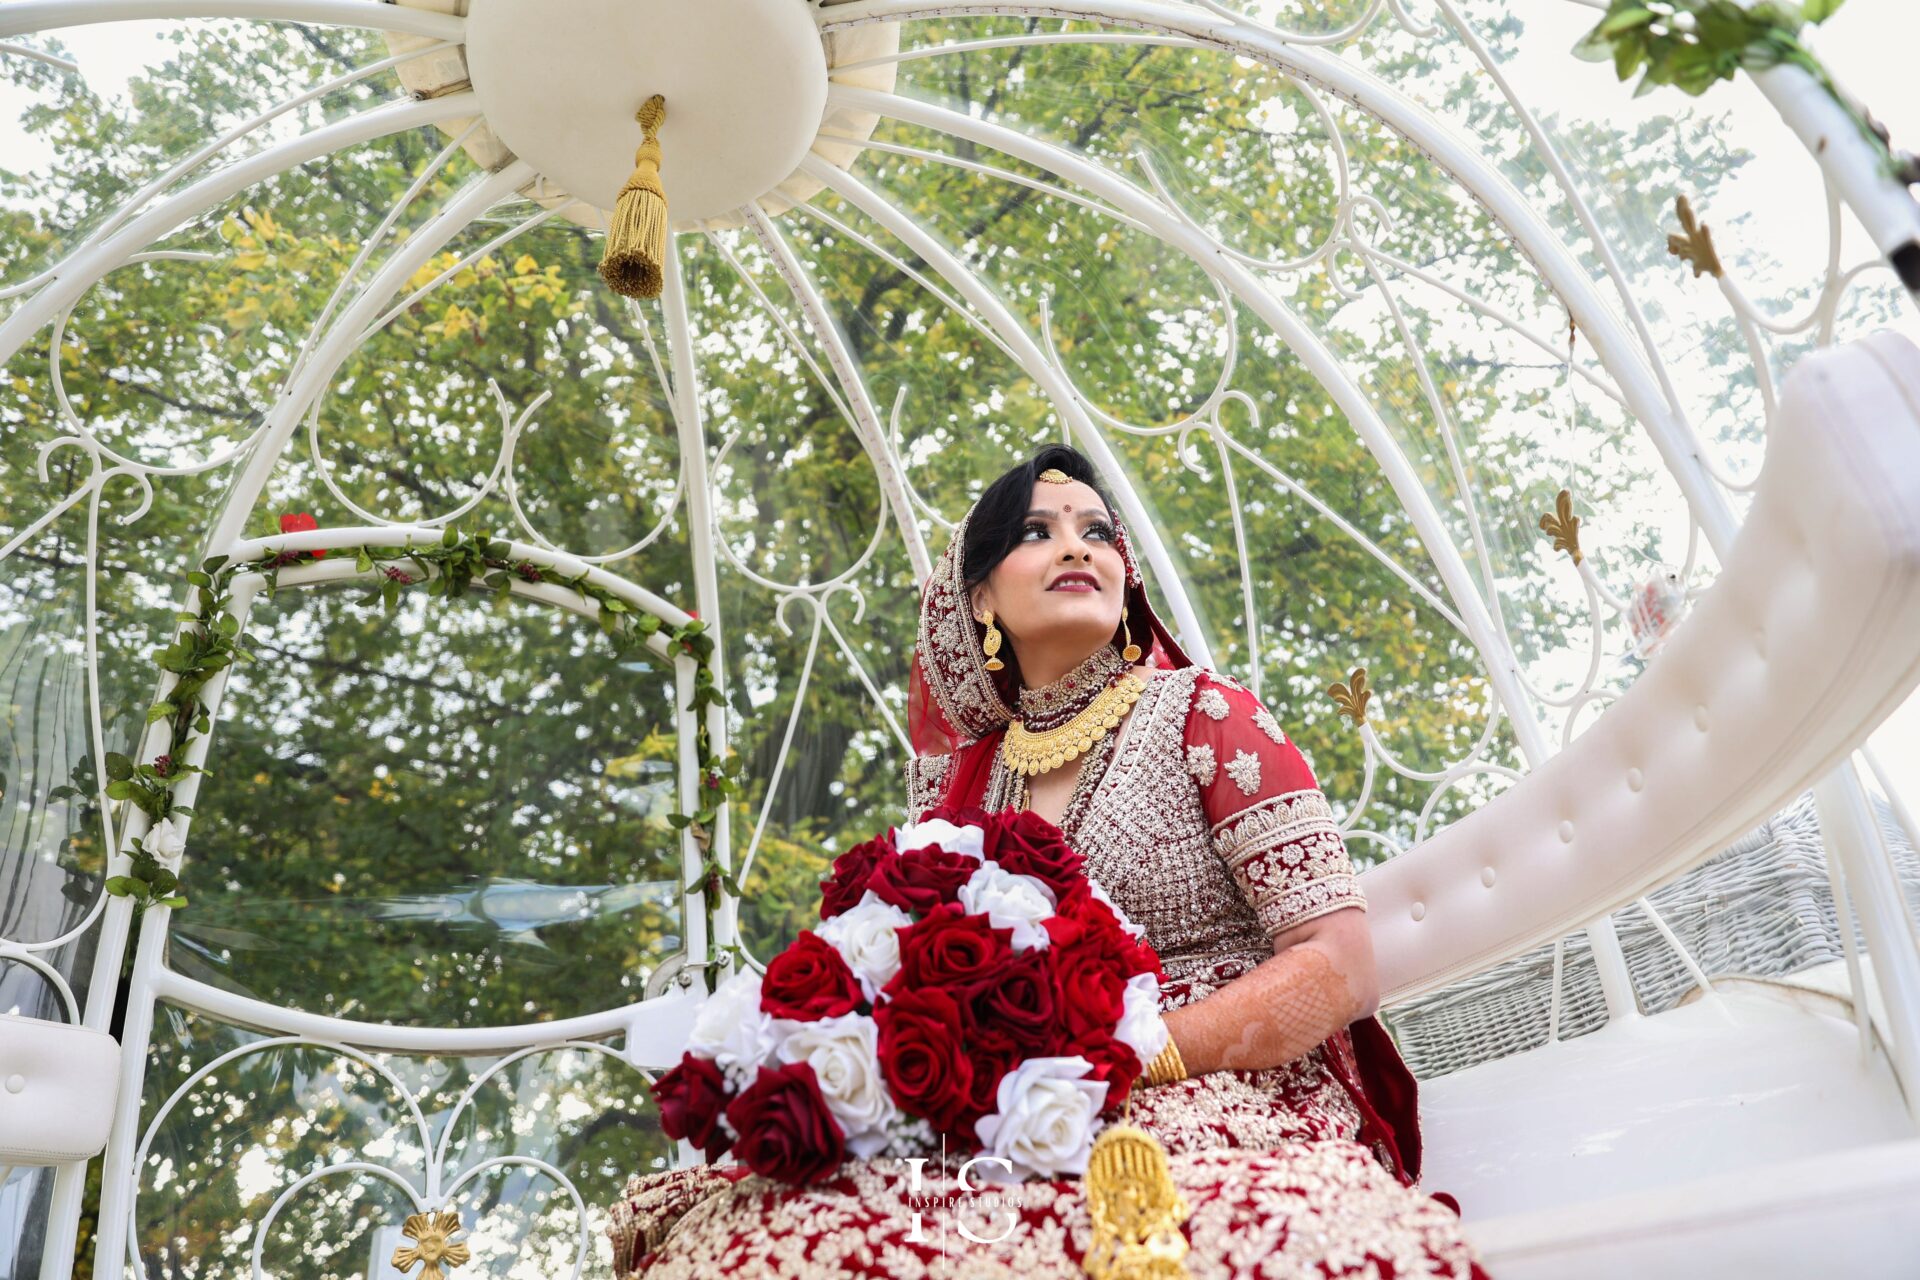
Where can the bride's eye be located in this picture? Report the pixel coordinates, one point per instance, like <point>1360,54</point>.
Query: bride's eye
<point>1102,528</point>
<point>1031,527</point>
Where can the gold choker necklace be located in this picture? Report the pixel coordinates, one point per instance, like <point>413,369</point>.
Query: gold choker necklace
<point>1029,753</point>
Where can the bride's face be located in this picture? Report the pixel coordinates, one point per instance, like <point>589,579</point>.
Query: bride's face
<point>1064,582</point>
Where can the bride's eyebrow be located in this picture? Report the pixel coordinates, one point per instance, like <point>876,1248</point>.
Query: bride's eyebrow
<point>1040,513</point>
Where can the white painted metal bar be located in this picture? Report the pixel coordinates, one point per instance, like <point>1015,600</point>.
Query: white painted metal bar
<point>865,418</point>
<point>24,16</point>
<point>1852,162</point>
<point>1850,833</point>
<point>101,255</point>
<point>701,534</point>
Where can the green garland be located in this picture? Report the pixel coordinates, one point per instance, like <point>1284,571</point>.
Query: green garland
<point>1694,44</point>
<point>208,642</point>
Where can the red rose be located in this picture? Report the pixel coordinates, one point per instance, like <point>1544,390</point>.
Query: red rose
<point>808,981</point>
<point>1114,1063</point>
<point>846,884</point>
<point>1082,920</point>
<point>922,879</point>
<point>1020,1003</point>
<point>961,815</point>
<point>1087,989</point>
<point>1139,957</point>
<point>786,1131</point>
<point>691,1098</point>
<point>952,950</point>
<point>928,1072</point>
<point>992,1055</point>
<point>300,522</point>
<point>1027,844</point>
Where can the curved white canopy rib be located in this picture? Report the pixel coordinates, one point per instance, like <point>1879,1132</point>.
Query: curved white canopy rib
<point>1617,349</point>
<point>28,16</point>
<point>101,255</point>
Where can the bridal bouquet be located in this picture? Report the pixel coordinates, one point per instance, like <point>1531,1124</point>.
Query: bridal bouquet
<point>967,983</point>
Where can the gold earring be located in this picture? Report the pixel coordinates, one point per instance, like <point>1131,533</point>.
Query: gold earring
<point>992,645</point>
<point>1132,652</point>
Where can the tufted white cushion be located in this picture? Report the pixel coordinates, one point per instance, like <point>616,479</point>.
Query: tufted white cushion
<point>1807,640</point>
<point>57,1087</point>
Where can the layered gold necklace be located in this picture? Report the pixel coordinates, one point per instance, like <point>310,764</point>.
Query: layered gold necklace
<point>1071,714</point>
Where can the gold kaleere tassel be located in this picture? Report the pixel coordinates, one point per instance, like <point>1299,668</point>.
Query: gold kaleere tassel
<point>637,237</point>
<point>1136,1209</point>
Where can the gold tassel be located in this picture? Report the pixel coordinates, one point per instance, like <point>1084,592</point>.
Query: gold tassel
<point>1136,1209</point>
<point>637,236</point>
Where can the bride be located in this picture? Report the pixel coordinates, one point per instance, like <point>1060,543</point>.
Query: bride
<point>1287,1115</point>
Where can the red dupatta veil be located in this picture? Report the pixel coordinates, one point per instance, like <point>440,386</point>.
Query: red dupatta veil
<point>956,706</point>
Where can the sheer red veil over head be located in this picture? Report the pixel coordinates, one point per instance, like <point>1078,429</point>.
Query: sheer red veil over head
<point>956,706</point>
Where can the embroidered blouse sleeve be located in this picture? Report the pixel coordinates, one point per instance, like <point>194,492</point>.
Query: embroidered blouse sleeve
<point>1270,822</point>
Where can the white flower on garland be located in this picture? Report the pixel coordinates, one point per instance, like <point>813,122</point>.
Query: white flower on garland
<point>164,840</point>
<point>867,938</point>
<point>910,1136</point>
<point>732,1030</point>
<point>1045,1121</point>
<point>1010,900</point>
<point>969,840</point>
<point>1100,895</point>
<point>844,1053</point>
<point>1141,1028</point>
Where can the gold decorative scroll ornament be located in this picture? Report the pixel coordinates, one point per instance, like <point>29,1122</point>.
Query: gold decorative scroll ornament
<point>1563,525</point>
<point>433,1245</point>
<point>635,260</point>
<point>1693,243</point>
<point>1353,696</point>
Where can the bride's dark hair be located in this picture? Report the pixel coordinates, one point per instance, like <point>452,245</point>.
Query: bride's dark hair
<point>1000,517</point>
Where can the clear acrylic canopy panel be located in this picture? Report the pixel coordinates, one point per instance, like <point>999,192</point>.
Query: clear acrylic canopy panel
<point>446,815</point>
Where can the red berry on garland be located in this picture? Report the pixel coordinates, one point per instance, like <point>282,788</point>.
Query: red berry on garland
<point>163,765</point>
<point>528,570</point>
<point>400,576</point>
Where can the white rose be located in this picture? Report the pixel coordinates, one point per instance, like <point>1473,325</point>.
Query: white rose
<point>165,840</point>
<point>1141,1028</point>
<point>844,1053</point>
<point>732,1030</point>
<point>1100,895</point>
<point>969,840</point>
<point>867,937</point>
<point>1045,1121</point>
<point>1009,900</point>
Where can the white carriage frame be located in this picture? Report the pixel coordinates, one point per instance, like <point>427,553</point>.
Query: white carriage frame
<point>1634,377</point>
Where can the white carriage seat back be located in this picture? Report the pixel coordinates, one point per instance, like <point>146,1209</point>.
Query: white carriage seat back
<point>57,1088</point>
<point>1808,639</point>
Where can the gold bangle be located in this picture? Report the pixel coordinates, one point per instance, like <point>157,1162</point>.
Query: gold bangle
<point>1166,1066</point>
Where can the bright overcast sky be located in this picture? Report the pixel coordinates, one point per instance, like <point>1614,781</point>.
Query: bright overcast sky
<point>1869,45</point>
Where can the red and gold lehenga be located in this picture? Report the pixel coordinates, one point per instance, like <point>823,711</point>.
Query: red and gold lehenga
<point>1205,825</point>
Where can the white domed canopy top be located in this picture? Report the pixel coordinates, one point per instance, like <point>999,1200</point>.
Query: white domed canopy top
<point>745,83</point>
